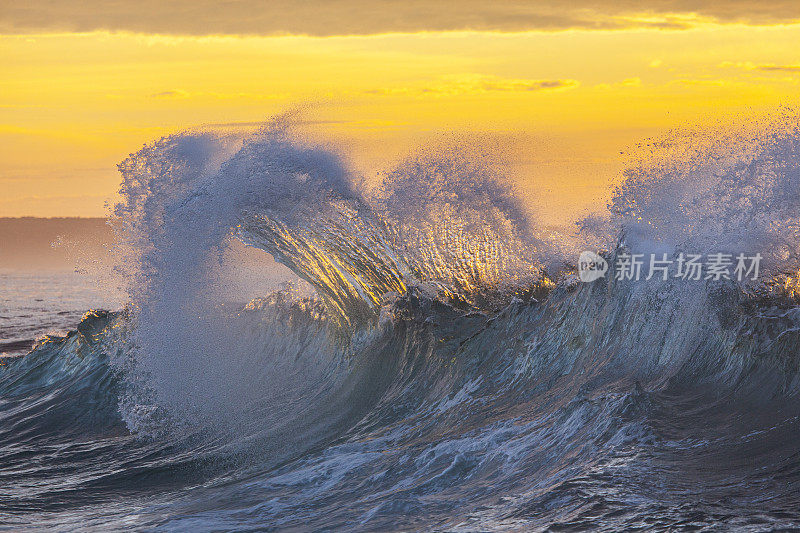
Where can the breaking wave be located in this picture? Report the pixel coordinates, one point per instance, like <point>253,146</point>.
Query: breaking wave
<point>436,365</point>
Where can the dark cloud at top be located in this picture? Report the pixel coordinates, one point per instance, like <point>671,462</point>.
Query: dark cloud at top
<point>359,17</point>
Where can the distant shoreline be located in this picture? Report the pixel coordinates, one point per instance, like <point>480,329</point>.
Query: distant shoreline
<point>53,242</point>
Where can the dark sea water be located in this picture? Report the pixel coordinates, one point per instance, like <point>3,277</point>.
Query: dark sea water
<point>540,417</point>
<point>436,366</point>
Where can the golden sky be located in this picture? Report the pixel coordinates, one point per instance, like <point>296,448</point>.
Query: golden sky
<point>83,85</point>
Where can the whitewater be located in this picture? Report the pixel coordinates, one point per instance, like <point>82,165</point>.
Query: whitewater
<point>436,365</point>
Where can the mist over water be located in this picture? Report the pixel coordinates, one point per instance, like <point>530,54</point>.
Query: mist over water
<point>433,363</point>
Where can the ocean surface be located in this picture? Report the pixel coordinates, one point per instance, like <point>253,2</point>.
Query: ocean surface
<point>434,365</point>
<point>35,303</point>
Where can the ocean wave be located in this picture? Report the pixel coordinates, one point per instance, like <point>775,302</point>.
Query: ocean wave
<point>447,371</point>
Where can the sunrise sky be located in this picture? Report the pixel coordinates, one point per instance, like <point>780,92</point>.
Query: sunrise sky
<point>85,83</point>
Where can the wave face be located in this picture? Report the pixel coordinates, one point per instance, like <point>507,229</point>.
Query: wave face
<point>435,367</point>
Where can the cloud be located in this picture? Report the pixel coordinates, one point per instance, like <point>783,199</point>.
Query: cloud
<point>747,65</point>
<point>476,84</point>
<point>180,93</point>
<point>362,17</point>
<point>700,82</point>
<point>171,94</point>
<point>631,82</point>
<point>779,68</point>
<point>503,84</point>
<point>626,83</point>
